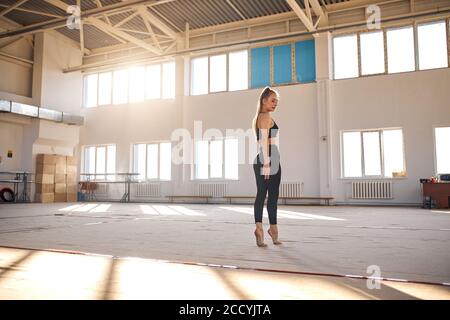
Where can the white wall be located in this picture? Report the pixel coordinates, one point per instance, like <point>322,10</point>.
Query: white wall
<point>414,101</point>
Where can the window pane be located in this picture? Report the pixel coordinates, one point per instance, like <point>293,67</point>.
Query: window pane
<point>152,161</point>
<point>372,157</point>
<point>199,76</point>
<point>120,85</point>
<point>231,159</point>
<point>216,156</point>
<point>137,85</point>
<point>90,90</point>
<point>345,57</point>
<point>139,160</point>
<point>201,160</point>
<point>432,39</point>
<point>89,160</point>
<point>165,160</point>
<point>372,52</point>
<point>153,82</point>
<point>393,152</point>
<point>218,73</point>
<point>104,88</point>
<point>168,80</point>
<point>101,162</point>
<point>238,70</point>
<point>443,150</point>
<point>352,154</point>
<point>400,50</point>
<point>111,161</point>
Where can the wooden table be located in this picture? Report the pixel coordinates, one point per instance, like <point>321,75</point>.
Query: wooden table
<point>438,191</point>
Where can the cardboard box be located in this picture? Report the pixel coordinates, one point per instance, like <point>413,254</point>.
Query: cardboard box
<point>60,160</point>
<point>72,188</point>
<point>46,158</point>
<point>71,169</point>
<point>45,168</point>
<point>71,179</point>
<point>72,197</point>
<point>45,188</point>
<point>60,178</point>
<point>45,197</point>
<point>60,169</point>
<point>60,188</point>
<point>60,197</point>
<point>71,161</point>
<point>45,178</point>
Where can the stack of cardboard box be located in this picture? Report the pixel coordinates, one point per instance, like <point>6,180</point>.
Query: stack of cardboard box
<point>56,178</point>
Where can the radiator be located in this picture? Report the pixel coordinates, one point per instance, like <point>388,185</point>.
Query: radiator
<point>372,190</point>
<point>102,189</point>
<point>147,190</point>
<point>291,189</point>
<point>212,189</point>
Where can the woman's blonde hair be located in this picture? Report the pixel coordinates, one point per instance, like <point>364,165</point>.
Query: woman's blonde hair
<point>267,91</point>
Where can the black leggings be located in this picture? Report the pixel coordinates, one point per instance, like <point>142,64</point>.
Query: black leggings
<point>272,185</point>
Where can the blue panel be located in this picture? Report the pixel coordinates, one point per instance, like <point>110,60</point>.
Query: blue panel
<point>305,61</point>
<point>260,67</point>
<point>282,64</point>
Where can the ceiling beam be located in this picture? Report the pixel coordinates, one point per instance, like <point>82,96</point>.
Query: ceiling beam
<point>11,8</point>
<point>320,13</point>
<point>303,17</point>
<point>33,11</point>
<point>81,31</point>
<point>147,15</point>
<point>148,26</point>
<point>104,26</point>
<point>236,10</point>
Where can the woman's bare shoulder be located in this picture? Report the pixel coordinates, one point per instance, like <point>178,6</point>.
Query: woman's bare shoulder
<point>264,120</point>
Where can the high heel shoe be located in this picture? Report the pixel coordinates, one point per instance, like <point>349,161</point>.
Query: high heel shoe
<point>275,241</point>
<point>259,240</point>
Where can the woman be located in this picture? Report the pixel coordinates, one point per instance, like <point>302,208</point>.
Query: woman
<point>266,165</point>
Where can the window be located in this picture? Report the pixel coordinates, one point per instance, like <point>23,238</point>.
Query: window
<point>238,70</point>
<point>168,80</point>
<point>104,88</point>
<point>260,61</point>
<point>152,160</point>
<point>216,159</point>
<point>282,64</point>
<point>99,160</point>
<point>400,50</point>
<point>374,153</point>
<point>120,87</point>
<point>442,140</point>
<point>90,90</point>
<point>199,74</point>
<point>345,56</point>
<point>137,84</point>
<point>372,52</point>
<point>218,73</point>
<point>153,82</point>
<point>432,42</point>
<point>305,61</point>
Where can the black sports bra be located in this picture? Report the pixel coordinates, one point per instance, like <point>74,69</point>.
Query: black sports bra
<point>273,131</point>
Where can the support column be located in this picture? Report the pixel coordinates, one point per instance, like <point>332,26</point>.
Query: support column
<point>323,78</point>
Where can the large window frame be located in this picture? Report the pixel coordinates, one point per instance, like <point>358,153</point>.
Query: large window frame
<point>381,153</point>
<point>436,149</point>
<point>145,92</point>
<point>208,71</point>
<point>384,30</point>
<point>223,162</point>
<point>158,169</point>
<point>95,171</point>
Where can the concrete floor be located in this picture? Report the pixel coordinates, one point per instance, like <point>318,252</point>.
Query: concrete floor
<point>125,243</point>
